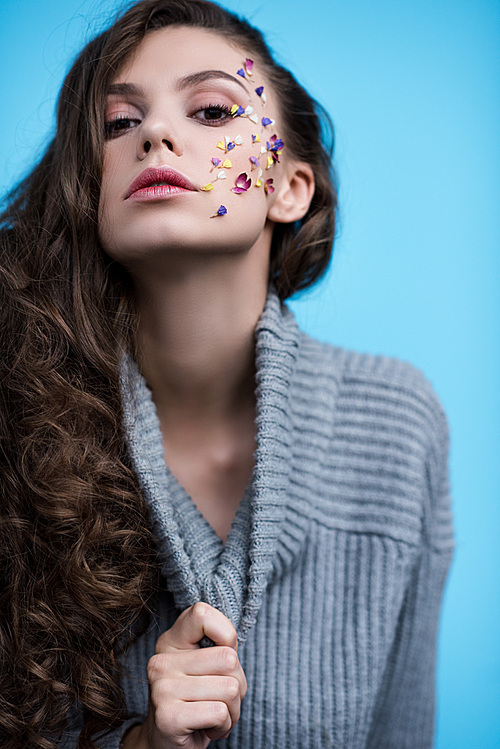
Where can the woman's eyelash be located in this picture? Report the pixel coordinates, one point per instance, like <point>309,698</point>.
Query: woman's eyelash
<point>118,125</point>
<point>213,109</point>
<point>215,114</point>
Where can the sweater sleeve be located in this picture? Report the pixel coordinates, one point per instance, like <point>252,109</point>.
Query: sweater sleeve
<point>404,714</point>
<point>111,740</point>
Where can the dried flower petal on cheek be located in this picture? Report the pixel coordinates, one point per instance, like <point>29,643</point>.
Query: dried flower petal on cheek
<point>260,92</point>
<point>250,113</point>
<point>268,186</point>
<point>237,110</point>
<point>247,69</point>
<point>220,212</point>
<point>243,183</point>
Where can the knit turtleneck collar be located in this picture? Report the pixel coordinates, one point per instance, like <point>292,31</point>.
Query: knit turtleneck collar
<point>195,563</point>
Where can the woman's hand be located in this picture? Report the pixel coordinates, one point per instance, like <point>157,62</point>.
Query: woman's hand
<point>194,693</point>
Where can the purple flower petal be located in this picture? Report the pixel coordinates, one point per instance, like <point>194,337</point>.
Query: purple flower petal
<point>215,161</point>
<point>231,145</point>
<point>249,65</point>
<point>241,72</point>
<point>259,90</point>
<point>222,210</point>
<point>266,121</point>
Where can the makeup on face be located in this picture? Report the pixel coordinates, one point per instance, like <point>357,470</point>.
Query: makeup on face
<point>265,157</point>
<point>159,114</point>
<point>157,182</point>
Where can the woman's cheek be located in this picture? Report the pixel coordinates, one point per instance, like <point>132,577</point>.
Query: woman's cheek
<point>242,163</point>
<point>247,159</point>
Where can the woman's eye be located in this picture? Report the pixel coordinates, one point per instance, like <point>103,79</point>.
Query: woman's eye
<point>213,114</point>
<point>120,125</point>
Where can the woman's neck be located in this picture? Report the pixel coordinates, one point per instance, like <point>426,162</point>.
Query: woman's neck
<point>196,333</point>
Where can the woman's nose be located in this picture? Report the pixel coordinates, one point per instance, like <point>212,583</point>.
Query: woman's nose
<point>158,136</point>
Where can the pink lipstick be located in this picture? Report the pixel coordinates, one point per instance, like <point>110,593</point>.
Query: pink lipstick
<point>157,183</point>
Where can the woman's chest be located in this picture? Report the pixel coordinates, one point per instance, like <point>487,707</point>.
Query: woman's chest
<point>315,659</point>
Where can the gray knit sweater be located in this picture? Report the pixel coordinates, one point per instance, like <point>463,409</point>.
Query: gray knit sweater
<point>333,569</point>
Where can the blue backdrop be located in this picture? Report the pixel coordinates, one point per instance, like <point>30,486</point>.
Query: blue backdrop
<point>413,88</point>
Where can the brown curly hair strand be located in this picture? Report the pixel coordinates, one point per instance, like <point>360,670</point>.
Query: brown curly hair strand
<point>78,563</point>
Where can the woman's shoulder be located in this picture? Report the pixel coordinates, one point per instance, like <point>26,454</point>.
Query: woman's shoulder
<point>379,429</point>
<point>382,392</point>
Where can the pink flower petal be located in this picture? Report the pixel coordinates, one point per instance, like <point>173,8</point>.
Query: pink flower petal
<point>242,183</point>
<point>268,186</point>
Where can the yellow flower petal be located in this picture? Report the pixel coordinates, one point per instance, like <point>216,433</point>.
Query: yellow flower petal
<point>221,145</point>
<point>269,162</point>
<point>258,183</point>
<point>208,187</point>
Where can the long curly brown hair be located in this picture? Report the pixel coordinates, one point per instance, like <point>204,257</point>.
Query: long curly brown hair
<point>77,556</point>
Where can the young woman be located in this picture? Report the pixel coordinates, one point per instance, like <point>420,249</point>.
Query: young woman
<point>214,528</point>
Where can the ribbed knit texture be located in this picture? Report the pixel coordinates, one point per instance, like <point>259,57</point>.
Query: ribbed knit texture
<point>333,570</point>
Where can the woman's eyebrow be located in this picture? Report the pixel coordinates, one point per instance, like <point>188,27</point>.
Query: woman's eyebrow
<point>125,89</point>
<point>206,75</point>
<point>132,89</point>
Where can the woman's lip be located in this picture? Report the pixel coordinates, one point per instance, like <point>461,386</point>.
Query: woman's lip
<point>153,175</point>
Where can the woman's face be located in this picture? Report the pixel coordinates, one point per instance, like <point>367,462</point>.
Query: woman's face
<point>169,109</point>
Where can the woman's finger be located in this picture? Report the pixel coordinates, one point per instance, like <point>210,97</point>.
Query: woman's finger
<point>200,688</point>
<point>217,661</point>
<point>179,719</point>
<point>196,622</point>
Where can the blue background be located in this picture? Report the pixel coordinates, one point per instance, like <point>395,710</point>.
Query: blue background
<point>413,88</point>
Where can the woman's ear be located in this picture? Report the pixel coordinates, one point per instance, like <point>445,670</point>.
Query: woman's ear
<point>294,194</point>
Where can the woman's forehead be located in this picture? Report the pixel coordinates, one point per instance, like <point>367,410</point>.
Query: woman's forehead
<point>181,49</point>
